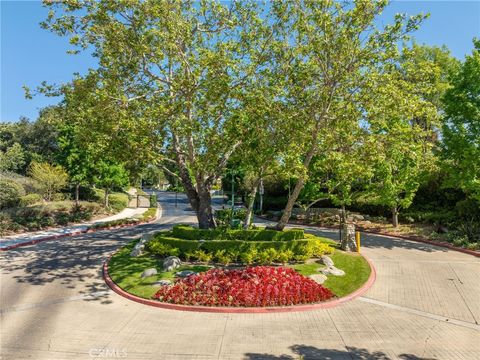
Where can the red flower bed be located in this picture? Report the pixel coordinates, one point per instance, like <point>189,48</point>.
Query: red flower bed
<point>251,287</point>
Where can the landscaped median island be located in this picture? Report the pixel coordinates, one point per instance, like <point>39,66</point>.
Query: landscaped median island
<point>237,268</point>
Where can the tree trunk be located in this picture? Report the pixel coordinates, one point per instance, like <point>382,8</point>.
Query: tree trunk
<point>251,202</point>
<point>287,212</point>
<point>205,211</point>
<point>395,217</point>
<point>105,200</point>
<point>77,193</point>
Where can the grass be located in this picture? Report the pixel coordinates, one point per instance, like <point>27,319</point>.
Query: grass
<point>357,272</point>
<point>126,270</point>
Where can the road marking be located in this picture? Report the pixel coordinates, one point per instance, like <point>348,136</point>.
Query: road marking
<point>420,313</point>
<point>93,295</point>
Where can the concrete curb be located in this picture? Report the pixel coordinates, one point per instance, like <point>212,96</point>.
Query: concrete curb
<point>241,310</point>
<point>411,238</point>
<point>86,231</point>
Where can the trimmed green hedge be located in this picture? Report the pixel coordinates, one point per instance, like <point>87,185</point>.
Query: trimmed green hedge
<point>190,233</point>
<point>238,250</point>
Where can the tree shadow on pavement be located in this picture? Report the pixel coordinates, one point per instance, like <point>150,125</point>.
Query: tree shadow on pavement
<point>70,263</point>
<point>305,352</point>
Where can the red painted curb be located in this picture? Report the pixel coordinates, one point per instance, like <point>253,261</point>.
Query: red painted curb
<point>240,310</point>
<point>411,238</point>
<point>89,231</point>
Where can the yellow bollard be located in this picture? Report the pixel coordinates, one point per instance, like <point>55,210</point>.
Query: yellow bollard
<point>357,239</point>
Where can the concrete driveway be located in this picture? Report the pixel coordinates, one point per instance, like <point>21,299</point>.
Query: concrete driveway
<point>55,305</point>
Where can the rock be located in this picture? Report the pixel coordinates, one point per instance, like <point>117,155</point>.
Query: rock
<point>149,272</point>
<point>318,278</point>
<point>171,262</point>
<point>137,250</point>
<point>358,217</point>
<point>185,273</point>
<point>332,270</point>
<point>162,283</point>
<point>327,261</point>
<point>348,238</point>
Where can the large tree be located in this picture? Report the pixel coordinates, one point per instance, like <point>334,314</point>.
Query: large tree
<point>330,51</point>
<point>461,132</point>
<point>187,63</point>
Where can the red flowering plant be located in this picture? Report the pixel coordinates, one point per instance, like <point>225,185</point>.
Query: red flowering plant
<point>258,286</point>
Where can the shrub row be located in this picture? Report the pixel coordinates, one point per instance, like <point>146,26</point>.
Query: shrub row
<point>42,216</point>
<point>247,252</point>
<point>190,233</point>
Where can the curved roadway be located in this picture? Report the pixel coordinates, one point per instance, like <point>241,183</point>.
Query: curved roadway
<point>55,305</point>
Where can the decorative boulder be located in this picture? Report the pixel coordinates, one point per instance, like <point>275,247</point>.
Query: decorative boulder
<point>185,273</point>
<point>137,250</point>
<point>327,261</point>
<point>171,262</point>
<point>149,272</point>
<point>162,283</point>
<point>333,271</point>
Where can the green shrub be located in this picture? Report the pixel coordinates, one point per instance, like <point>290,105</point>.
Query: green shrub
<point>225,257</point>
<point>249,256</point>
<point>153,201</point>
<point>10,193</point>
<point>247,252</point>
<point>202,256</point>
<point>191,233</point>
<point>30,199</point>
<point>118,201</point>
<point>59,197</point>
<point>225,217</point>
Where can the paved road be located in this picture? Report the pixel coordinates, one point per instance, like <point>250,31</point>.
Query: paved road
<point>55,305</point>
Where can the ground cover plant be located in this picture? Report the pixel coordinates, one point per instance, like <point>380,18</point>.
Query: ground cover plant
<point>225,277</point>
<point>250,287</point>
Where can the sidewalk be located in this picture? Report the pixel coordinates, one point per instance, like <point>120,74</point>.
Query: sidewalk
<point>69,230</point>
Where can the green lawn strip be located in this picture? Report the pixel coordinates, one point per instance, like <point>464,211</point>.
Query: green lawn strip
<point>125,271</point>
<point>357,272</point>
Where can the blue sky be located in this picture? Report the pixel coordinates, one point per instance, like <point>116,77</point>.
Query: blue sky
<point>30,55</point>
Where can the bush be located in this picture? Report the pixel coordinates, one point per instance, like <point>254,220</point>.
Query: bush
<point>118,201</point>
<point>30,199</point>
<point>153,201</point>
<point>248,252</point>
<point>191,233</point>
<point>50,178</point>
<point>225,217</point>
<point>10,193</point>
